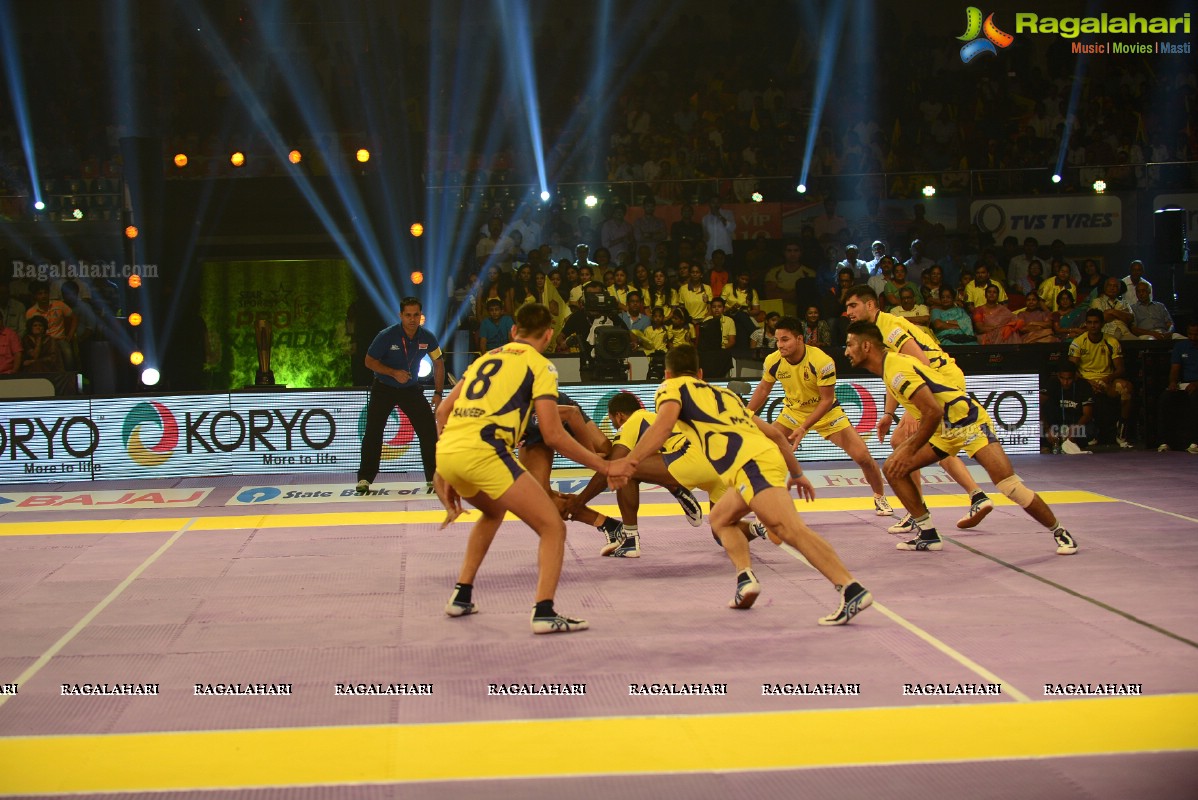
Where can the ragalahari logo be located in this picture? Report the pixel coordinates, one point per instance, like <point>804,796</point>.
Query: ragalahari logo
<point>975,27</point>
<point>144,416</point>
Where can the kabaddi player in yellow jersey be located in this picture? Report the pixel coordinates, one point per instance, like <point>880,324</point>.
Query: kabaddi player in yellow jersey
<point>676,464</point>
<point>808,376</point>
<point>752,459</point>
<point>950,421</point>
<point>900,336</point>
<point>479,426</point>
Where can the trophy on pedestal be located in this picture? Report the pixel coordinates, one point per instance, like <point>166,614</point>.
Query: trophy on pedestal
<point>262,337</point>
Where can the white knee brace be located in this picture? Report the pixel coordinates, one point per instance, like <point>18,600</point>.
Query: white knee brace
<point>1013,488</point>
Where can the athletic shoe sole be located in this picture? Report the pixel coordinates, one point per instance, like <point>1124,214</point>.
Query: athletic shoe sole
<point>974,517</point>
<point>746,595</point>
<point>692,507</point>
<point>558,624</point>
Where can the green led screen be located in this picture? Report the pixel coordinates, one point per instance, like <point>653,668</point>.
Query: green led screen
<point>306,303</point>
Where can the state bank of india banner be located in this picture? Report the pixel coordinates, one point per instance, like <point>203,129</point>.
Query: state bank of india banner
<point>250,433</point>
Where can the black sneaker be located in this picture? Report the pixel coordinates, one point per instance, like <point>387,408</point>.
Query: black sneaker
<point>694,511</point>
<point>457,608</point>
<point>854,599</point>
<point>926,540</point>
<point>1066,544</point>
<point>557,624</point>
<point>628,547</point>
<point>747,589</point>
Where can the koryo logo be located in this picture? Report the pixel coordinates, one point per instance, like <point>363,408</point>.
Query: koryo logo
<point>974,27</point>
<point>150,415</point>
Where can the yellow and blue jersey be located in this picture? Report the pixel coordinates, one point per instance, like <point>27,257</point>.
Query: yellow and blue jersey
<point>904,376</point>
<point>897,331</point>
<point>498,393</point>
<point>801,381</point>
<point>716,423</point>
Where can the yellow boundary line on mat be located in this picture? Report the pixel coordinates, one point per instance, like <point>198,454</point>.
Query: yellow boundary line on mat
<point>256,520</point>
<point>293,757</point>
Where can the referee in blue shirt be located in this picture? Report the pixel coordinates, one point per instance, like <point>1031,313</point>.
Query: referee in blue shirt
<point>394,356</point>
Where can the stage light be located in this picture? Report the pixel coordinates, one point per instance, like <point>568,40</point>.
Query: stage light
<point>77,213</point>
<point>545,196</point>
<point>425,369</point>
<point>417,277</point>
<point>1099,186</point>
<point>363,155</point>
<point>136,357</point>
<point>150,376</point>
<point>1056,177</point>
<point>39,205</point>
<point>237,159</point>
<point>756,197</point>
<point>295,156</point>
<point>591,201</point>
<point>180,160</point>
<point>929,191</point>
<point>131,232</point>
<point>134,281</point>
<point>801,188</point>
<point>417,229</point>
<point>135,319</point>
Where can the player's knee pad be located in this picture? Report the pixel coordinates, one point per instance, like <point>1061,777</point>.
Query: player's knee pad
<point>1013,488</point>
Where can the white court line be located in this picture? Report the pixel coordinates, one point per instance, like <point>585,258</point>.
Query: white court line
<point>45,657</point>
<point>955,655</point>
<point>1158,510</point>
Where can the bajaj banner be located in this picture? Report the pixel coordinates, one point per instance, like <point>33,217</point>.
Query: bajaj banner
<point>1096,219</point>
<point>321,431</point>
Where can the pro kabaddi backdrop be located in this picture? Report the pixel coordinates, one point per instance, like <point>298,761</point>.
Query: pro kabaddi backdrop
<point>306,303</point>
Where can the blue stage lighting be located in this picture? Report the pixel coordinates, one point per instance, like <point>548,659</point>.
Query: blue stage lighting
<point>10,51</point>
<point>39,205</point>
<point>545,196</point>
<point>801,188</point>
<point>1056,177</point>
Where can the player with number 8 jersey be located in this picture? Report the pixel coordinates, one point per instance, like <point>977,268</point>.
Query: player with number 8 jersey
<point>480,424</point>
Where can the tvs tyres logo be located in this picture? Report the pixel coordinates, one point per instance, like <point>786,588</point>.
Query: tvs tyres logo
<point>139,428</point>
<point>992,38</point>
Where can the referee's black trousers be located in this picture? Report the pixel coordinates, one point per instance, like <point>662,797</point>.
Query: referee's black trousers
<point>415,407</point>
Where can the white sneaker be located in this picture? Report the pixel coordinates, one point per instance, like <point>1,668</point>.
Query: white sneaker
<point>1193,448</point>
<point>1164,448</point>
<point>882,507</point>
<point>903,526</point>
<point>1070,448</point>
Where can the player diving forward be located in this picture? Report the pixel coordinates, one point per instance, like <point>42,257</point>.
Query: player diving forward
<point>752,459</point>
<point>947,421</point>
<point>808,376</point>
<point>479,425</point>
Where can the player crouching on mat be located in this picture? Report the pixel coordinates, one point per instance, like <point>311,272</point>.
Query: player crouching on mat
<point>948,421</point>
<point>751,459</point>
<point>808,376</point>
<point>623,540</point>
<point>675,464</point>
<point>479,425</point>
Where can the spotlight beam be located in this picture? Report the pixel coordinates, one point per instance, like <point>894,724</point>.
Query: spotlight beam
<point>830,35</point>
<point>16,91</point>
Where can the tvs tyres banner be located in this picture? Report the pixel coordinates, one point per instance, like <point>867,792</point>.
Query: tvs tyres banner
<point>252,433</point>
